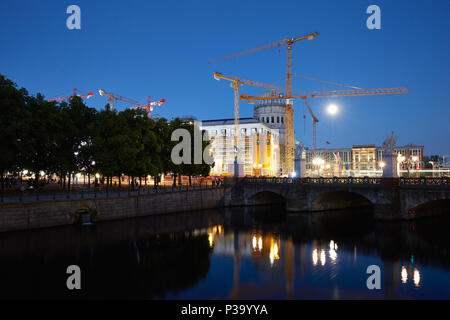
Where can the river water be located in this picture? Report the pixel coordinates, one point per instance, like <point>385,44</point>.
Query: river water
<point>240,253</point>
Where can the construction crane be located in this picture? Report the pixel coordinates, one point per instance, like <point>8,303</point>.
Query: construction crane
<point>113,97</point>
<point>149,106</point>
<point>87,96</point>
<point>326,94</point>
<point>289,112</point>
<point>235,82</point>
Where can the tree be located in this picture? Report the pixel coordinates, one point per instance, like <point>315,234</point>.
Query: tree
<point>69,137</point>
<point>193,169</point>
<point>108,142</point>
<point>43,136</point>
<point>13,122</point>
<point>190,169</point>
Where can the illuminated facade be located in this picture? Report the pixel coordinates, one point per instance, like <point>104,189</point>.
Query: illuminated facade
<point>411,155</point>
<point>259,148</point>
<point>364,158</point>
<point>272,113</point>
<point>338,160</point>
<point>360,160</point>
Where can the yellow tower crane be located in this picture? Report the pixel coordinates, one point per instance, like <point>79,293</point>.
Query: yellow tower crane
<point>327,94</point>
<point>289,112</point>
<point>113,97</point>
<point>235,82</point>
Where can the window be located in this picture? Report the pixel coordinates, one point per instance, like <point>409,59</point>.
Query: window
<point>272,119</point>
<point>282,119</point>
<point>278,119</point>
<point>267,120</point>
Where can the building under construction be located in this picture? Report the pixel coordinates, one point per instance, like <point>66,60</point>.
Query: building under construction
<point>260,145</point>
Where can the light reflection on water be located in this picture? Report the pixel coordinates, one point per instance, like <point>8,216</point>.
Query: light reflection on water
<point>243,253</point>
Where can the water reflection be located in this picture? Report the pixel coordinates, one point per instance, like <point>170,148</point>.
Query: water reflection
<point>404,275</point>
<point>259,252</point>
<point>416,277</point>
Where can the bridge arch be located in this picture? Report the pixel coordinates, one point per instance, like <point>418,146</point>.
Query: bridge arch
<point>85,214</point>
<point>333,200</point>
<point>430,208</point>
<point>266,197</point>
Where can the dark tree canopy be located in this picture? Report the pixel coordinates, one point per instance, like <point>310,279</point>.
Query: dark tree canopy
<point>69,137</point>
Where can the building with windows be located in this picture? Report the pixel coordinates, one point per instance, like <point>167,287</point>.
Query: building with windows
<point>360,160</point>
<point>258,144</point>
<point>334,161</point>
<point>364,158</point>
<point>412,156</point>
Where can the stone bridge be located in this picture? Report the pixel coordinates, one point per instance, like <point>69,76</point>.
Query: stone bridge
<point>392,198</point>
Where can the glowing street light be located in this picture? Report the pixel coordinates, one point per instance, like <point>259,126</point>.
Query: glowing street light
<point>382,164</point>
<point>318,161</point>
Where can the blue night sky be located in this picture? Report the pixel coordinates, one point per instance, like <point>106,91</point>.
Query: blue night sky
<point>162,49</point>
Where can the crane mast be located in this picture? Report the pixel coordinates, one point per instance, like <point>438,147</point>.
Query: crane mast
<point>289,111</point>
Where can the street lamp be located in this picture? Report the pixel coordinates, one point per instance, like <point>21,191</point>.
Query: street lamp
<point>400,159</point>
<point>434,166</point>
<point>415,159</point>
<point>318,162</point>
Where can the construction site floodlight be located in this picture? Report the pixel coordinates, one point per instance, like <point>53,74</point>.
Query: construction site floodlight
<point>216,76</point>
<point>100,92</point>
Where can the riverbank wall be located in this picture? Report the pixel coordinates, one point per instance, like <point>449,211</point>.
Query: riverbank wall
<point>26,216</point>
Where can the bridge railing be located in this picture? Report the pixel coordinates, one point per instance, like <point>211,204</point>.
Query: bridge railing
<point>314,180</point>
<point>438,182</point>
<point>442,182</point>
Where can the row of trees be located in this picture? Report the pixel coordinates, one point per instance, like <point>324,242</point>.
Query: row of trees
<point>69,137</point>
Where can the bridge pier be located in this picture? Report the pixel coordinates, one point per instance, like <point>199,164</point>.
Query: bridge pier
<point>297,201</point>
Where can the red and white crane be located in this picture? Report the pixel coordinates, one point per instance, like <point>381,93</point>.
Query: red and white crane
<point>149,106</point>
<point>81,95</point>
